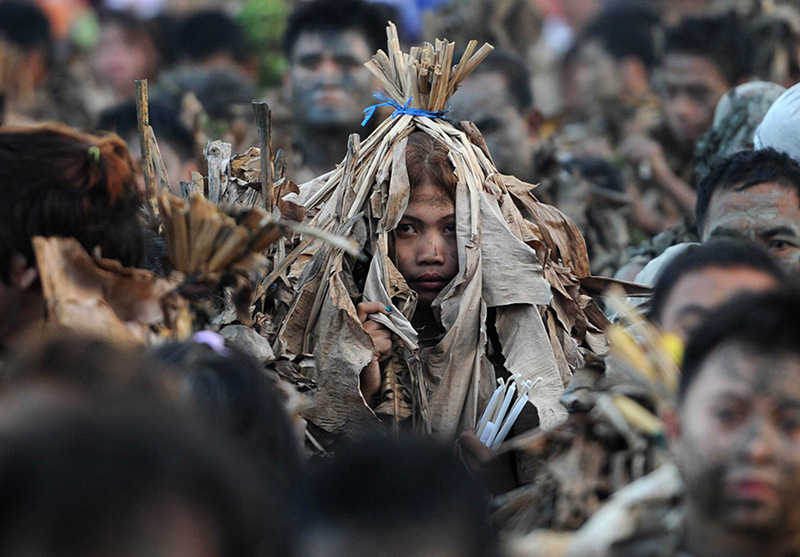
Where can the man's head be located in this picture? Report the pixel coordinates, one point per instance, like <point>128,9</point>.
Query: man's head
<point>130,480</point>
<point>497,98</point>
<point>735,433</point>
<point>211,38</point>
<point>127,49</point>
<point>613,58</point>
<point>26,38</point>
<point>705,276</point>
<point>739,112</point>
<point>352,507</point>
<point>327,44</point>
<point>754,195</point>
<point>704,57</point>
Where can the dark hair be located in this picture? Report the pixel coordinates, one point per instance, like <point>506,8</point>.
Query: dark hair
<point>221,91</point>
<point>721,39</point>
<point>743,170</point>
<point>427,161</point>
<point>164,118</point>
<point>762,323</point>
<point>55,181</point>
<point>515,73</point>
<point>88,482</point>
<point>91,366</point>
<point>25,25</point>
<point>626,31</point>
<point>381,492</point>
<point>338,16</point>
<point>231,391</point>
<point>724,253</point>
<point>207,33</point>
<point>775,57</point>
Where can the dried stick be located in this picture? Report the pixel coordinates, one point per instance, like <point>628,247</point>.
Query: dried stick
<point>264,122</point>
<point>217,154</point>
<point>148,168</point>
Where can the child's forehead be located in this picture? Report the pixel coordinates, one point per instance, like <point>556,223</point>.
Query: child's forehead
<point>432,194</point>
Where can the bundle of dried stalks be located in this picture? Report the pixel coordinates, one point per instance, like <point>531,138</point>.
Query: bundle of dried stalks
<point>205,239</point>
<point>519,260</point>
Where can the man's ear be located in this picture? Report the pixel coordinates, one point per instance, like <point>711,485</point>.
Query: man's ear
<point>635,75</point>
<point>23,276</point>
<point>534,120</point>
<point>672,421</point>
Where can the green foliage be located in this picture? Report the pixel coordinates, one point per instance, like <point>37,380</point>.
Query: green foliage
<point>264,22</point>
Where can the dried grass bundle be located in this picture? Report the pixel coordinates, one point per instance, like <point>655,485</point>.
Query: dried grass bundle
<point>519,259</point>
<point>203,238</point>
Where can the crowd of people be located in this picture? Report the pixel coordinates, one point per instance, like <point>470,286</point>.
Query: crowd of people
<point>614,177</point>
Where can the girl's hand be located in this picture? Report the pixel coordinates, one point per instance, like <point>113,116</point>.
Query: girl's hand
<point>370,379</point>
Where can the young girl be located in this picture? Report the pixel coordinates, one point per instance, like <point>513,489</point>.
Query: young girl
<point>423,249</point>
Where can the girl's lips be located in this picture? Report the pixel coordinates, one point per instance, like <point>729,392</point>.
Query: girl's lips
<point>430,281</point>
<point>431,284</point>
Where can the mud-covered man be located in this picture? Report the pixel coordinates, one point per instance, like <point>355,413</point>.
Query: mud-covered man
<point>734,434</point>
<point>327,85</point>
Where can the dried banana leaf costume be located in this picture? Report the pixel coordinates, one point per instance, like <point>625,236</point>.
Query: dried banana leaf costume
<point>543,320</point>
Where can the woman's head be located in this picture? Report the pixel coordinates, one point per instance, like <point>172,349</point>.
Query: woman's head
<point>425,249</point>
<point>230,390</point>
<point>55,181</point>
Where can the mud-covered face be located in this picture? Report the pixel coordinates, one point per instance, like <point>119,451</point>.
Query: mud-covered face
<point>329,86</point>
<point>692,86</point>
<point>591,81</point>
<point>425,246</point>
<point>485,100</point>
<point>697,293</point>
<point>738,446</point>
<point>768,213</point>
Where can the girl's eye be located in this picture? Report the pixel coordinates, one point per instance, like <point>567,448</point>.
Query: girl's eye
<point>404,228</point>
<point>450,228</point>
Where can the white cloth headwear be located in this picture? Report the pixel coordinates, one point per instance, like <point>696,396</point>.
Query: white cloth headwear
<point>780,128</point>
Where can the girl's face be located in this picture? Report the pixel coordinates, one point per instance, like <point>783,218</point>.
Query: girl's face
<point>425,242</point>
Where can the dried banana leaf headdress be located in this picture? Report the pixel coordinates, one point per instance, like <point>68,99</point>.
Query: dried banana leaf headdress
<point>518,260</point>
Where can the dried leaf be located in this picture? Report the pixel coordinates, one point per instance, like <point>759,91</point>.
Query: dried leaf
<point>122,304</point>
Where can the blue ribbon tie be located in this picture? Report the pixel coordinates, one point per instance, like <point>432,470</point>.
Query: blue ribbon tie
<point>398,109</point>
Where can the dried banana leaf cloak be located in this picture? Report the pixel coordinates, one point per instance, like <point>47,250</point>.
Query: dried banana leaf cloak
<point>366,196</point>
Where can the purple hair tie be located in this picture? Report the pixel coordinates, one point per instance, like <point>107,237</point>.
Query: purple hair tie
<point>214,340</point>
